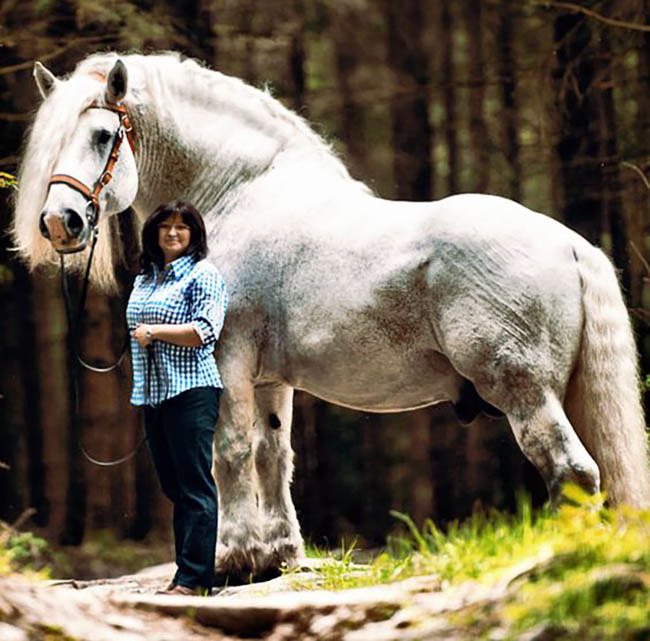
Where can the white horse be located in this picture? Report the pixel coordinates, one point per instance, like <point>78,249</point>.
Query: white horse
<point>372,304</point>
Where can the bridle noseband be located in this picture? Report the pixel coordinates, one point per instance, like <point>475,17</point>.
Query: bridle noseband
<point>92,195</point>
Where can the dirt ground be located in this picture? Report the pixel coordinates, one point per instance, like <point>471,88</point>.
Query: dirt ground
<point>283,609</point>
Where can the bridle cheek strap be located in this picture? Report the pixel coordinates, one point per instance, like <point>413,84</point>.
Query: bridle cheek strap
<point>92,195</point>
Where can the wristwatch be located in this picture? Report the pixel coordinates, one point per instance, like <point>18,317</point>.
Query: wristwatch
<point>149,333</point>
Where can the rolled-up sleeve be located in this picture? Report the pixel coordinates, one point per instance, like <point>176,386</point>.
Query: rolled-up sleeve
<point>208,308</point>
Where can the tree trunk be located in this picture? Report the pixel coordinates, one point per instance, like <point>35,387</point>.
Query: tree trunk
<point>410,101</point>
<point>74,525</point>
<point>578,147</point>
<point>451,124</point>
<point>507,74</point>
<point>195,21</point>
<point>421,502</point>
<point>347,24</point>
<point>614,220</point>
<point>22,483</point>
<point>375,518</point>
<point>642,130</point>
<point>53,394</point>
<point>306,488</point>
<point>104,435</point>
<point>476,67</point>
<point>297,62</point>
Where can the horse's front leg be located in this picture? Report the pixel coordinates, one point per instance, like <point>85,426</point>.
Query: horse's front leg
<point>274,465</point>
<point>241,550</point>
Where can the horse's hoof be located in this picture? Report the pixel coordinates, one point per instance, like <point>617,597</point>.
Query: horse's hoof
<point>239,565</point>
<point>285,554</point>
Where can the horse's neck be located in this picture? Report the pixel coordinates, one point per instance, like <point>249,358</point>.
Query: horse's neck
<point>209,150</point>
<point>194,159</point>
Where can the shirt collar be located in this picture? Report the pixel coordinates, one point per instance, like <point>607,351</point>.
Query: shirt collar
<point>181,266</point>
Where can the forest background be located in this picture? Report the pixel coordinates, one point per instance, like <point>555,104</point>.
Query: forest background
<point>544,102</point>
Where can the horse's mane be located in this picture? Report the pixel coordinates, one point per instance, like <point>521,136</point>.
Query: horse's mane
<point>152,80</point>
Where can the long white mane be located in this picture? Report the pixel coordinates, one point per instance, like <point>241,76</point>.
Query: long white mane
<point>156,84</point>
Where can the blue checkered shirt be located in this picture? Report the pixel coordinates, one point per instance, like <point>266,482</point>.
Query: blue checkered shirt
<point>186,291</point>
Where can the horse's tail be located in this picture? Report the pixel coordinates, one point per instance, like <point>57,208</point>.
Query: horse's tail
<point>603,397</point>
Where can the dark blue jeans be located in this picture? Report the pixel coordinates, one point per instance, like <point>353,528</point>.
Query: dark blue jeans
<point>180,432</point>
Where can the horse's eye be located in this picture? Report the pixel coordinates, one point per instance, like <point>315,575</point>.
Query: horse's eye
<point>103,137</point>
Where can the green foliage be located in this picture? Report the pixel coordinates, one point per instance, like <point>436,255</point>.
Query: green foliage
<point>24,548</point>
<point>583,569</point>
<point>596,585</point>
<point>23,552</point>
<point>8,180</point>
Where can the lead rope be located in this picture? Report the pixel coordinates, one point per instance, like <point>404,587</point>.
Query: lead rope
<point>75,339</point>
<point>151,358</point>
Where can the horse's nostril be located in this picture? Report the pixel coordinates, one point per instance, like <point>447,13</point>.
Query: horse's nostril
<point>72,222</point>
<point>42,227</point>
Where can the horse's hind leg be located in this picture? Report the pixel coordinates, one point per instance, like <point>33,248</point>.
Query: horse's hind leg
<point>548,440</point>
<point>274,465</point>
<point>521,365</point>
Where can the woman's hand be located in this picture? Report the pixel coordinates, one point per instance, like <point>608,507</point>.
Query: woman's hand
<point>184,335</point>
<point>143,334</point>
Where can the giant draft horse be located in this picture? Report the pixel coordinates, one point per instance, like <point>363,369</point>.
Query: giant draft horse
<point>372,304</point>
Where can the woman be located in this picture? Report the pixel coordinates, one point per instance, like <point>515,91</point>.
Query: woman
<point>176,312</point>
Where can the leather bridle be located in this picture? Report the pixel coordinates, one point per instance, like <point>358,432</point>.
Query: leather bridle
<point>92,217</point>
<point>92,195</point>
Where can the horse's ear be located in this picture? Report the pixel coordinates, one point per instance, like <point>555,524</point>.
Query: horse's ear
<point>117,82</point>
<point>45,79</point>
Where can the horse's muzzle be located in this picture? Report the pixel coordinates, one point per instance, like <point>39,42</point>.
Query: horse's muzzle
<point>65,229</point>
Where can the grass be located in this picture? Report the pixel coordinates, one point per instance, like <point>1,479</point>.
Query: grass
<point>476,548</point>
<point>586,568</point>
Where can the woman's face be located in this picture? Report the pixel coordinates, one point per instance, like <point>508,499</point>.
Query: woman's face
<point>174,237</point>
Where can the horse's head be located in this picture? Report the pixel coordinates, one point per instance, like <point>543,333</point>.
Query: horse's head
<point>94,174</point>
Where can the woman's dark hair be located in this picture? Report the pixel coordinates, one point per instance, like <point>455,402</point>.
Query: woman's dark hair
<point>151,252</point>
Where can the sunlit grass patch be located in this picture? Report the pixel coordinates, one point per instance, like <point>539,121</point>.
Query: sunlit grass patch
<point>597,585</point>
<point>479,548</point>
<point>583,569</point>
<point>336,570</point>
<point>600,603</point>
<point>466,551</point>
